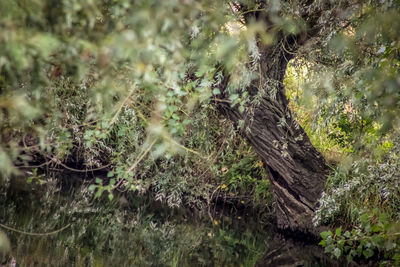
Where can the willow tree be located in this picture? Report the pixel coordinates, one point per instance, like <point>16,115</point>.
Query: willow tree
<point>296,169</point>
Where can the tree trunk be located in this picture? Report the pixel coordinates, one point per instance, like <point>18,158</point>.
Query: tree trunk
<point>297,171</point>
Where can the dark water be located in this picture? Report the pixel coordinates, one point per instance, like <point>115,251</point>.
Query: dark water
<point>134,231</point>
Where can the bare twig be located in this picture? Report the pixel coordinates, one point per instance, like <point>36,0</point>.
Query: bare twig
<point>34,234</point>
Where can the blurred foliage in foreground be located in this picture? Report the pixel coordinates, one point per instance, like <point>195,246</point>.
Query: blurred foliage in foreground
<point>103,85</point>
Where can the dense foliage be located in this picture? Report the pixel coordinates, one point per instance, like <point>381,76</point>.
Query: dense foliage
<point>130,89</point>
<point>115,83</point>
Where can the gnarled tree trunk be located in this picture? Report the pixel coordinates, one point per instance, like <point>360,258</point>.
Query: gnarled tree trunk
<point>297,171</point>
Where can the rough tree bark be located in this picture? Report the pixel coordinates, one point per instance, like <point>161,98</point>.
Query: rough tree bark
<point>297,171</point>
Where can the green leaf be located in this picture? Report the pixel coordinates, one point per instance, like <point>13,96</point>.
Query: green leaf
<point>364,218</point>
<point>322,243</point>
<point>377,240</point>
<point>233,97</point>
<point>338,231</point>
<point>383,218</point>
<point>216,91</point>
<point>110,196</point>
<point>99,181</point>
<point>347,234</point>
<point>368,253</point>
<point>324,234</point>
<point>341,242</point>
<point>337,252</point>
<point>330,249</point>
<point>92,187</point>
<point>375,228</point>
<point>349,258</point>
<point>98,193</point>
<point>121,132</point>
